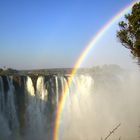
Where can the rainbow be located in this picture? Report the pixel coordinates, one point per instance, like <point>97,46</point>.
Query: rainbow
<point>82,57</point>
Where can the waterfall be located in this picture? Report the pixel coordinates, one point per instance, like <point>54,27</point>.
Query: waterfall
<point>8,112</point>
<point>1,95</point>
<point>30,87</point>
<point>57,90</point>
<point>98,103</point>
<point>4,129</point>
<point>11,112</point>
<point>42,92</point>
<point>36,114</point>
<point>28,106</point>
<point>95,103</point>
<point>76,106</point>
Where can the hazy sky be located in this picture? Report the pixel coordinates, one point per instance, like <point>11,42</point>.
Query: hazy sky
<point>52,33</point>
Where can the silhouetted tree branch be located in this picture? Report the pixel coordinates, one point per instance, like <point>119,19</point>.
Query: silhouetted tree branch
<point>111,132</point>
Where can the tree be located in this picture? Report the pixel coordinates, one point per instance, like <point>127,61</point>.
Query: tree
<point>129,33</point>
<point>1,70</point>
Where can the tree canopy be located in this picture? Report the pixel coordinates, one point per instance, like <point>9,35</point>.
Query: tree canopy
<point>129,33</point>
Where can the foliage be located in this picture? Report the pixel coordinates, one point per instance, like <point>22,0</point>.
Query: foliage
<point>1,70</point>
<point>8,71</point>
<point>129,33</point>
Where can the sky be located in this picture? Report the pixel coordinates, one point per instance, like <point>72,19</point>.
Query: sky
<point>36,34</point>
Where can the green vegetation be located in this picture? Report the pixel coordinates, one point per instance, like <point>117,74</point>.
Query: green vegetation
<point>8,71</point>
<point>129,33</point>
<point>1,70</point>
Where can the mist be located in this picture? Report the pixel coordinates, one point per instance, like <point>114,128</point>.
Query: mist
<point>102,100</point>
<point>102,103</point>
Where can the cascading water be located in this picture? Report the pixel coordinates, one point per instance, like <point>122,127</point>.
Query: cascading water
<point>8,114</point>
<point>99,102</point>
<point>1,95</point>
<point>57,89</point>
<point>96,102</point>
<point>27,107</point>
<point>4,126</point>
<point>76,106</point>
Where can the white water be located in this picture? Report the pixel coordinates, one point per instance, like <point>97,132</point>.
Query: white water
<point>97,105</point>
<point>1,95</point>
<point>11,107</point>
<point>35,113</point>
<point>3,124</point>
<point>57,89</point>
<point>36,122</point>
<point>8,112</point>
